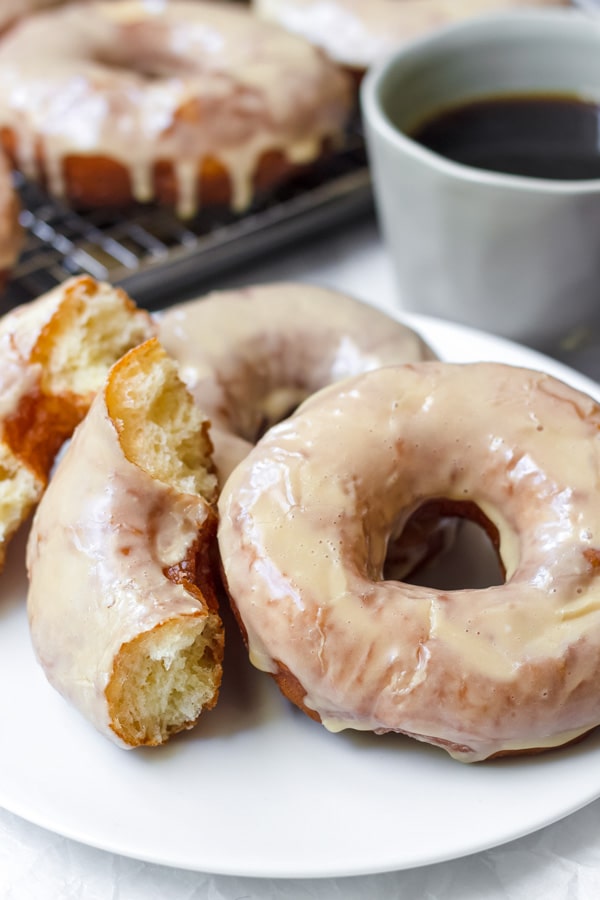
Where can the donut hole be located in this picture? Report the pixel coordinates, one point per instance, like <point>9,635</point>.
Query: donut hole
<point>114,59</point>
<point>276,407</point>
<point>250,417</point>
<point>141,47</point>
<point>271,375</point>
<point>446,545</point>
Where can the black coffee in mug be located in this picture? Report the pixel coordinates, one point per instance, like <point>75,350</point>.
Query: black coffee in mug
<point>539,136</point>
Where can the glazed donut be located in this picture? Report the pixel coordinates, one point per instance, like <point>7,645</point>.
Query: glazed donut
<point>250,356</point>
<point>121,602</point>
<point>185,103</point>
<point>358,33</point>
<point>54,355</point>
<point>305,523</point>
<point>11,233</point>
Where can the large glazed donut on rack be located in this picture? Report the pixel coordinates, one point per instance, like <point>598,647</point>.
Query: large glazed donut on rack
<point>305,523</point>
<point>250,356</point>
<point>121,603</point>
<point>54,355</point>
<point>185,102</point>
<point>358,33</point>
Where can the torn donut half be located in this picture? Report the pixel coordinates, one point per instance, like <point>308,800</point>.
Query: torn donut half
<point>55,352</point>
<point>122,606</point>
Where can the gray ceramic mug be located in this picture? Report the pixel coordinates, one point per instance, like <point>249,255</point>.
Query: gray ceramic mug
<point>516,256</point>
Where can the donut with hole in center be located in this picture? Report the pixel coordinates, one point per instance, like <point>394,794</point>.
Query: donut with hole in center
<point>305,524</point>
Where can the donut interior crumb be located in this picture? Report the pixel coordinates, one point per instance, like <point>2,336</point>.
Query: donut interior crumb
<point>65,342</point>
<point>20,490</point>
<point>97,325</point>
<point>164,678</point>
<point>161,429</point>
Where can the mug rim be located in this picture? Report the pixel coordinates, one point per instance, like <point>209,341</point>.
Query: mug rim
<point>378,120</point>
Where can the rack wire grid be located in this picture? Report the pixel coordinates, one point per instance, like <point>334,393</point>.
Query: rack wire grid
<point>155,256</point>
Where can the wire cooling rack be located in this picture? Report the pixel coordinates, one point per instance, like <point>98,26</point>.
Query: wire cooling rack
<point>155,256</point>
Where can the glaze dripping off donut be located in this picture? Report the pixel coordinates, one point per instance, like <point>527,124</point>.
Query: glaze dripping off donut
<point>305,522</point>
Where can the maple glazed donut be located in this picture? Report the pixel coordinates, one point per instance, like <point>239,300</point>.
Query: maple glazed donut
<point>185,103</point>
<point>305,523</point>
<point>250,356</point>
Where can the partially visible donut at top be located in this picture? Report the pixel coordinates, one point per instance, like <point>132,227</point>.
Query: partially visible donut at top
<point>11,232</point>
<point>358,33</point>
<point>181,102</point>
<point>305,525</point>
<point>250,356</point>
<point>54,354</point>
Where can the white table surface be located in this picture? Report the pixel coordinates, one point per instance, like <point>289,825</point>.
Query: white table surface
<point>560,862</point>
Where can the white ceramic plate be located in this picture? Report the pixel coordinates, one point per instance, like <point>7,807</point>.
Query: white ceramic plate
<point>257,789</point>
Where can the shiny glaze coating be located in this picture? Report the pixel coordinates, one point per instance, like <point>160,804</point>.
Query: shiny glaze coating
<point>250,356</point>
<point>163,98</point>
<point>305,523</point>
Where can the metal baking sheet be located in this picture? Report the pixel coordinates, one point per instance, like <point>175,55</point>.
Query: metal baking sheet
<point>156,257</point>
